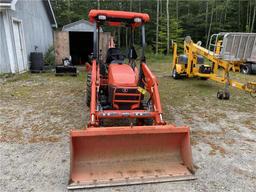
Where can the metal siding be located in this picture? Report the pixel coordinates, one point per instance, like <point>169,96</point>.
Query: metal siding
<point>4,59</point>
<point>36,25</point>
<point>238,46</point>
<point>79,26</point>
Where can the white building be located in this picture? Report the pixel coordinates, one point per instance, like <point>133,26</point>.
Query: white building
<point>24,25</point>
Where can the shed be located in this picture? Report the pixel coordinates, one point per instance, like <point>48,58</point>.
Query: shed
<point>76,40</point>
<point>24,25</point>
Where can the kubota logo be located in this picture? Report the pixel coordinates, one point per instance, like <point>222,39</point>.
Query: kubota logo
<point>124,90</point>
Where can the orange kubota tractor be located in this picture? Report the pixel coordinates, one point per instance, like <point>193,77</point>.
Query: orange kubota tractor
<point>146,150</point>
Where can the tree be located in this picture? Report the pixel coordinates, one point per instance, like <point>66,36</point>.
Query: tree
<point>206,16</point>
<point>157,25</point>
<point>177,9</point>
<point>253,17</point>
<point>98,4</point>
<point>210,26</point>
<point>174,33</point>
<point>199,19</point>
<point>168,27</point>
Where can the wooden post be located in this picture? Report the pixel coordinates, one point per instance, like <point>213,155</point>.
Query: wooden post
<point>61,46</point>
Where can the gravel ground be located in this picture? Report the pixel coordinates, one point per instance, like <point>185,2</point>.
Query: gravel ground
<point>38,111</point>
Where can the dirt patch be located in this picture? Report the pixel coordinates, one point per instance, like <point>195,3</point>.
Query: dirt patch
<point>216,148</point>
<point>44,139</point>
<point>39,110</point>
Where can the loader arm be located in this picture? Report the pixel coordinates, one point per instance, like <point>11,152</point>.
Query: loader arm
<point>151,86</point>
<point>93,93</point>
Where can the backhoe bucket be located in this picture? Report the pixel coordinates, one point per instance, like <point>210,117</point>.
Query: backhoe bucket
<point>129,155</point>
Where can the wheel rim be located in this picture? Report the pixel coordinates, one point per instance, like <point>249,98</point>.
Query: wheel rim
<point>174,73</point>
<point>245,69</point>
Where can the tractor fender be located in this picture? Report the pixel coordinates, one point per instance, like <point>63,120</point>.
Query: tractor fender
<point>150,78</point>
<point>88,68</point>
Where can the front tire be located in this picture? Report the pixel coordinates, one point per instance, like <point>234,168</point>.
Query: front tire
<point>246,69</point>
<point>225,95</point>
<point>175,74</point>
<point>220,95</point>
<point>88,90</point>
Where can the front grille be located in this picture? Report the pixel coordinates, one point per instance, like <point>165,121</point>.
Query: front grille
<point>126,90</point>
<point>125,97</point>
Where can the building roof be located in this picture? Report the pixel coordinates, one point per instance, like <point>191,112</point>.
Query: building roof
<point>50,13</point>
<point>81,25</point>
<point>10,4</point>
<point>5,1</point>
<point>7,4</point>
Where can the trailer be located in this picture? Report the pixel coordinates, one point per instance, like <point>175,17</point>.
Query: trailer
<point>238,48</point>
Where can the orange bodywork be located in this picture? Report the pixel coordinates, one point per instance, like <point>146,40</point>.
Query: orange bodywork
<point>122,75</point>
<point>151,86</point>
<point>117,15</point>
<point>131,154</point>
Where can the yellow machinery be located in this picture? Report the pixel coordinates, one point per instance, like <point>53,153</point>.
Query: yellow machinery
<point>191,64</point>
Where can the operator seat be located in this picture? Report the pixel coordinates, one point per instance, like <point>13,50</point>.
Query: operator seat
<point>114,55</point>
<point>120,74</point>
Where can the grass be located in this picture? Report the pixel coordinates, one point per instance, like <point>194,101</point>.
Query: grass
<point>186,97</point>
<point>194,92</point>
<point>36,103</point>
<point>174,93</point>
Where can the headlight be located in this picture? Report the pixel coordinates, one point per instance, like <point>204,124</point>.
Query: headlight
<point>102,17</point>
<point>137,20</point>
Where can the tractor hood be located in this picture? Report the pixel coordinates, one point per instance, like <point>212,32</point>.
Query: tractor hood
<point>122,75</point>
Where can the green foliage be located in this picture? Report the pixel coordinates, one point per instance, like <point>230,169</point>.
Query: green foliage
<point>193,18</point>
<point>49,57</point>
<point>175,33</point>
<point>162,35</point>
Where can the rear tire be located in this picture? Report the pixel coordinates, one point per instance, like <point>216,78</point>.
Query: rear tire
<point>220,95</point>
<point>246,69</point>
<point>88,90</point>
<point>226,96</point>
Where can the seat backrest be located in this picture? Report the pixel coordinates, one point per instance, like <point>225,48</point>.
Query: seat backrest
<point>114,54</point>
<point>132,55</point>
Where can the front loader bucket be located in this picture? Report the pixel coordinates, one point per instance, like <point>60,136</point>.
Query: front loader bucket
<point>129,155</point>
